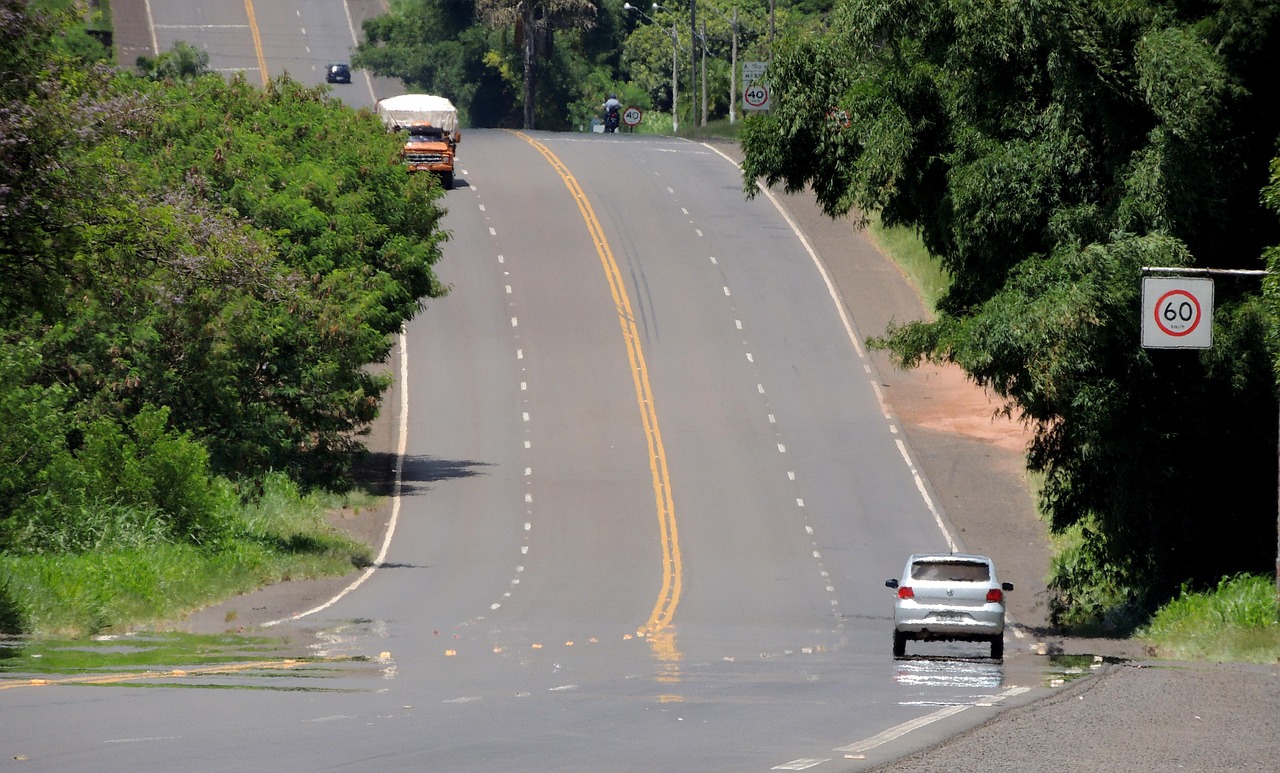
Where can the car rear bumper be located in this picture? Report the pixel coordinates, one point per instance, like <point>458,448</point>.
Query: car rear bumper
<point>950,626</point>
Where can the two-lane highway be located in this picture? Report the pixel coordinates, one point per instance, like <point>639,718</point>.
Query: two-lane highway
<point>649,498</point>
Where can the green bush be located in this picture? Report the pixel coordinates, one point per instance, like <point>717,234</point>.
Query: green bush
<point>1237,620</point>
<point>124,485</point>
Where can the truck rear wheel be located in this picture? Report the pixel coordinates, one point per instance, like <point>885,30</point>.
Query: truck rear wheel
<point>446,181</point>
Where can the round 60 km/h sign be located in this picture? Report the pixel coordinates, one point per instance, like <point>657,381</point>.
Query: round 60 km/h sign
<point>631,116</point>
<point>1177,313</point>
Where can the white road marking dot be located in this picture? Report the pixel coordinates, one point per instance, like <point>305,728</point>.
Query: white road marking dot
<point>773,419</point>
<point>726,291</point>
<point>527,525</point>
<point>760,388</point>
<point>519,354</point>
<point>524,386</point>
<point>501,259</point>
<point>791,475</point>
<point>525,415</point>
<point>750,358</point>
<point>714,262</point>
<point>493,231</point>
<point>515,322</point>
<point>508,289</point>
<point>799,502</point>
<point>782,449</point>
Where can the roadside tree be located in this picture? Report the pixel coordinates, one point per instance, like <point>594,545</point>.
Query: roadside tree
<point>1046,153</point>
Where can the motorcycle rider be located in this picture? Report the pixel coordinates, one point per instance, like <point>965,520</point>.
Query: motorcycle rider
<point>612,107</point>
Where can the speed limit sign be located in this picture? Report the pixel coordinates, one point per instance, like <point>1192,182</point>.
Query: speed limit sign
<point>631,116</point>
<point>756,96</point>
<point>1177,313</point>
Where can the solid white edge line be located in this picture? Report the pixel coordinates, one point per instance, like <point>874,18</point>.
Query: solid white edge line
<point>857,345</point>
<point>355,41</point>
<point>892,733</point>
<point>906,727</point>
<point>151,27</point>
<point>401,444</point>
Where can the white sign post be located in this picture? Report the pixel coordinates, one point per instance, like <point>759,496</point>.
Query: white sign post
<point>755,93</point>
<point>1177,313</point>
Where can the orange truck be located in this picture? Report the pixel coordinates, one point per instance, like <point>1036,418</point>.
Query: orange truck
<point>431,125</point>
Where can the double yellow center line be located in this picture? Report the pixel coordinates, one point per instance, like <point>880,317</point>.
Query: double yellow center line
<point>664,609</point>
<point>257,42</point>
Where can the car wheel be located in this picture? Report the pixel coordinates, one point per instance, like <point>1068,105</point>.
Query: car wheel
<point>899,644</point>
<point>997,647</point>
<point>446,181</point>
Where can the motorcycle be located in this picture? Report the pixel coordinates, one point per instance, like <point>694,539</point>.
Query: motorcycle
<point>611,120</point>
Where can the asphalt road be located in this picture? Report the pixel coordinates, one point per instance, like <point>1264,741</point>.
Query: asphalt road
<point>650,493</point>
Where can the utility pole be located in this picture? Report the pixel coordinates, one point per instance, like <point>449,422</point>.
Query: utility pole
<point>675,82</point>
<point>733,73</point>
<point>693,59</point>
<point>704,71</point>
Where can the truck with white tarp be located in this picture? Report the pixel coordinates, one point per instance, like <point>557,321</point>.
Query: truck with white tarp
<point>431,126</point>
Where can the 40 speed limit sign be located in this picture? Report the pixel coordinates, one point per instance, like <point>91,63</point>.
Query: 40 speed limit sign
<point>1177,313</point>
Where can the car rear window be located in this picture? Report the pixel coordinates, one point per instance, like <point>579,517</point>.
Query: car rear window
<point>954,571</point>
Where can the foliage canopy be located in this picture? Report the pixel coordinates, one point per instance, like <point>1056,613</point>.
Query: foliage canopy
<point>196,277</point>
<point>1046,152</point>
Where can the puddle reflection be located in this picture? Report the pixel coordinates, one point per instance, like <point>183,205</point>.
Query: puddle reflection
<point>168,659</point>
<point>948,672</point>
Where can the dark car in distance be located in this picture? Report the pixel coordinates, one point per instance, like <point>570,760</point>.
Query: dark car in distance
<point>338,73</point>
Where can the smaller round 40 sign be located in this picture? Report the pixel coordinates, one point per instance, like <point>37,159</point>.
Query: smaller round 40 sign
<point>1177,313</point>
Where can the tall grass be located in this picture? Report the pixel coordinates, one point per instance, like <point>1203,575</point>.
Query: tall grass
<point>904,247</point>
<point>283,536</point>
<point>1237,621</point>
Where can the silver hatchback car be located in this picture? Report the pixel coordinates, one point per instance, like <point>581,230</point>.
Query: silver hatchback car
<point>949,597</point>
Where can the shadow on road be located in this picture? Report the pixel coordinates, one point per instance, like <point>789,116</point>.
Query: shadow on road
<point>376,472</point>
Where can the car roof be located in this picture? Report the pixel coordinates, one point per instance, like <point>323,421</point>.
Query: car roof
<point>949,557</point>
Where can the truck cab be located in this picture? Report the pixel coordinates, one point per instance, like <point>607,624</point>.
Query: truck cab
<point>430,127</point>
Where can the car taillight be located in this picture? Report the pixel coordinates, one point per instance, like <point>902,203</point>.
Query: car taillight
<point>995,596</point>
<point>905,592</point>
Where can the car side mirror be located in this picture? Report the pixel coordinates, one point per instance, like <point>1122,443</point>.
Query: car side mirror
<point>1006,585</point>
<point>894,584</point>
